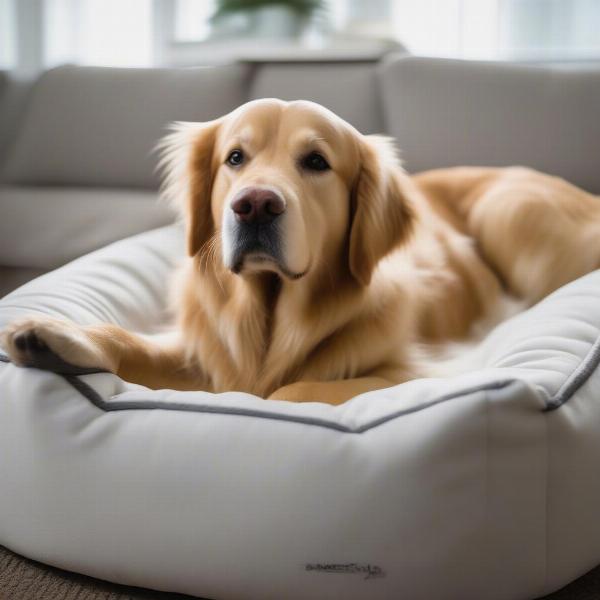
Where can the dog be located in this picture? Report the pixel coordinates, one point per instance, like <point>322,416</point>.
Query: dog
<point>318,268</point>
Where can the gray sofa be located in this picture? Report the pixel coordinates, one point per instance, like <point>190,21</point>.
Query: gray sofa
<point>77,168</point>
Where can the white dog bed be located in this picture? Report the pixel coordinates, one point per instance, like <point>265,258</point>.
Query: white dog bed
<point>485,485</point>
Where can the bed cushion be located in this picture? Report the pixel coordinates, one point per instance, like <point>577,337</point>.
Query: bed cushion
<point>99,126</point>
<point>454,112</point>
<point>482,485</point>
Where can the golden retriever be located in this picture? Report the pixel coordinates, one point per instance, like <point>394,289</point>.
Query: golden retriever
<point>317,267</point>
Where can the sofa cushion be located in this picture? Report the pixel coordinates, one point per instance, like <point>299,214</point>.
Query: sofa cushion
<point>452,112</point>
<point>350,90</point>
<point>43,228</point>
<point>99,126</point>
<point>14,94</point>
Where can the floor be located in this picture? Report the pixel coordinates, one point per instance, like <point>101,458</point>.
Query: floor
<point>23,579</point>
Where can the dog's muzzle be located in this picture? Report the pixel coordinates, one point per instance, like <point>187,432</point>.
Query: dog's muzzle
<point>256,226</point>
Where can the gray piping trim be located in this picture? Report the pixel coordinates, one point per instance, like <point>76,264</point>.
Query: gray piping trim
<point>575,380</point>
<point>260,414</point>
<point>117,405</point>
<point>97,400</point>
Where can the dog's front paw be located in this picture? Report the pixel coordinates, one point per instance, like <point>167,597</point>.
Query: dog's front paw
<point>53,345</point>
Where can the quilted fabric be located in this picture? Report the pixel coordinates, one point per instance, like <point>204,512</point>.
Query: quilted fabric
<point>478,486</point>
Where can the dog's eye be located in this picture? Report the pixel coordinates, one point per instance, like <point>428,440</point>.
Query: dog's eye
<point>235,158</point>
<point>315,162</point>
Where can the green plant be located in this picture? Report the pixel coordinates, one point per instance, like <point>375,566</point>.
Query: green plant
<point>303,8</point>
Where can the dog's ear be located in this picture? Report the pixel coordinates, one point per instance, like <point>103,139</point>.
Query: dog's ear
<point>381,207</point>
<point>186,160</point>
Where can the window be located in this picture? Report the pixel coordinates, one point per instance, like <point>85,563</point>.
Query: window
<point>549,29</point>
<point>192,20</point>
<point>489,29</point>
<point>45,33</point>
<point>8,41</point>
<point>98,32</point>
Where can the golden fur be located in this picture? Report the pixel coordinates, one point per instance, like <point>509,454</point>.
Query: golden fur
<point>376,263</point>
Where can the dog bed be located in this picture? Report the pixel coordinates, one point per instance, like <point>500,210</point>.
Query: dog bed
<point>484,485</point>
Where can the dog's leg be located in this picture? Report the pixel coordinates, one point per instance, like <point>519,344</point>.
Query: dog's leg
<point>329,392</point>
<point>64,347</point>
<point>537,232</point>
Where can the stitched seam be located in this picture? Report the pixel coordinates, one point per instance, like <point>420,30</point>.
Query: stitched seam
<point>96,399</point>
<point>105,406</point>
<point>577,378</point>
<point>574,381</point>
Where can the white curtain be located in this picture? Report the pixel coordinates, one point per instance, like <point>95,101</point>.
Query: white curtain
<point>192,19</point>
<point>549,28</point>
<point>100,32</point>
<point>8,42</point>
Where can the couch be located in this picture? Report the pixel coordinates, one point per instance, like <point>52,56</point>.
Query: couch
<point>77,160</point>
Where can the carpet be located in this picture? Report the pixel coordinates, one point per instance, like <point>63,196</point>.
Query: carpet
<point>24,579</point>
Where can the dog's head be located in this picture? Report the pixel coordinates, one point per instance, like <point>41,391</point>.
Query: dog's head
<point>287,187</point>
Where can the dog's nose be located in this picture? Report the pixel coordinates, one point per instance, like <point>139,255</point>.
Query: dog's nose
<point>257,205</point>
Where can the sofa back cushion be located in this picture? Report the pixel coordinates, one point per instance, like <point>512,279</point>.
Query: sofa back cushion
<point>14,95</point>
<point>99,126</point>
<point>60,224</point>
<point>348,89</point>
<point>451,112</point>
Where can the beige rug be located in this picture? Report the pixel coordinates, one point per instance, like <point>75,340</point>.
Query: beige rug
<point>23,579</point>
